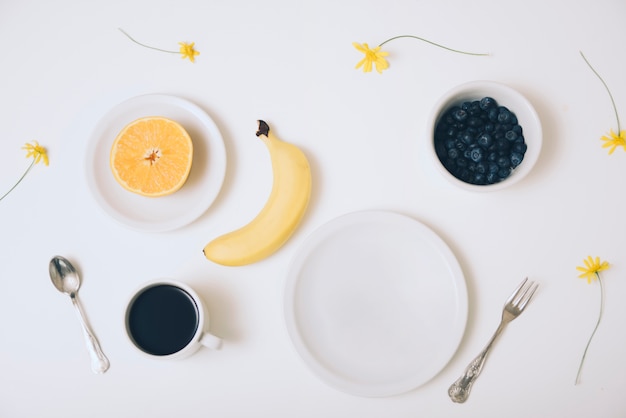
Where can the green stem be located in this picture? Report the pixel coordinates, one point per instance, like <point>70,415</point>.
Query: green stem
<point>20,180</point>
<point>147,46</point>
<point>432,43</point>
<point>607,90</point>
<point>594,330</point>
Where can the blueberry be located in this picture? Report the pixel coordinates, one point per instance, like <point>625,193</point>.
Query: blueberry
<point>489,127</point>
<point>479,178</point>
<point>504,115</point>
<point>502,144</point>
<point>516,159</point>
<point>468,138</point>
<point>517,129</point>
<point>502,127</point>
<point>476,154</point>
<point>504,172</point>
<point>474,122</point>
<point>510,135</point>
<point>492,156</point>
<point>460,115</point>
<point>503,162</point>
<point>493,167</point>
<point>453,153</point>
<point>519,147</point>
<point>492,178</point>
<point>464,175</point>
<point>474,109</point>
<point>485,140</point>
<point>449,143</point>
<point>481,167</point>
<point>487,103</point>
<point>461,162</point>
<point>493,114</point>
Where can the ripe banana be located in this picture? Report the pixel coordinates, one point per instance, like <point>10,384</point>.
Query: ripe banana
<point>282,212</point>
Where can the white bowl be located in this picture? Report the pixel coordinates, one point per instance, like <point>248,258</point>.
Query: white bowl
<point>505,96</point>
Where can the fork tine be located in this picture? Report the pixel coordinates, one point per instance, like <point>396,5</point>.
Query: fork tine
<point>527,296</point>
<point>516,292</point>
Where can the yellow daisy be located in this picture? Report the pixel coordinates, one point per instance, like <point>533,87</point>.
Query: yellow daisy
<point>592,267</point>
<point>377,57</point>
<point>591,270</point>
<point>188,51</point>
<point>37,152</point>
<point>614,140</point>
<point>372,57</point>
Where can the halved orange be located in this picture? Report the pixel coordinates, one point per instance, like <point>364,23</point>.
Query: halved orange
<point>152,156</point>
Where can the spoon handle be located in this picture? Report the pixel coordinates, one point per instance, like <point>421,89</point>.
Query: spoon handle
<point>99,362</point>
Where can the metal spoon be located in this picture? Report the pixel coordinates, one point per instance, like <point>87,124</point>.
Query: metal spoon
<point>66,280</point>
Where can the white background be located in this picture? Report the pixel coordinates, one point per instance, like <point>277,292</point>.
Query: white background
<point>65,64</point>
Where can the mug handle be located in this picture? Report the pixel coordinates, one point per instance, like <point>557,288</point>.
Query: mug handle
<point>211,341</point>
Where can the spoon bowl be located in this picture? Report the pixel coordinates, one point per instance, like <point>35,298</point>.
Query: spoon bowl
<point>67,280</point>
<point>64,276</point>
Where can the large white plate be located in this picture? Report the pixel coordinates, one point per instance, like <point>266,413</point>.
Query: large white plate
<point>161,213</point>
<point>375,303</point>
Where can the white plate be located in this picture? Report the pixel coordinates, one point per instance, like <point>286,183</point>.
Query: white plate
<point>375,303</point>
<point>161,213</point>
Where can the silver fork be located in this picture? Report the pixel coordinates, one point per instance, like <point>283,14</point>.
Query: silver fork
<point>514,306</point>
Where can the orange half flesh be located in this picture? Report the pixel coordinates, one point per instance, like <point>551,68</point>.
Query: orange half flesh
<point>152,156</point>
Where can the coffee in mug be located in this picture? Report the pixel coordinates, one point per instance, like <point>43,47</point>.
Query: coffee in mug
<point>167,319</point>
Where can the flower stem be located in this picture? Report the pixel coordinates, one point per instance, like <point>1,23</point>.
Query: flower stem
<point>594,330</point>
<point>19,181</point>
<point>607,90</point>
<point>147,46</point>
<point>432,43</point>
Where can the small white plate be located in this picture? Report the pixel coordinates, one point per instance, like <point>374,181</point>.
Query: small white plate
<point>161,213</point>
<point>375,303</point>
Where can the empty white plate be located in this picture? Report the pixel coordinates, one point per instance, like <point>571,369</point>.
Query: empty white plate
<point>157,213</point>
<point>375,303</point>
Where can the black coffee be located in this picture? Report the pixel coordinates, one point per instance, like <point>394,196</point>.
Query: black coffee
<point>162,320</point>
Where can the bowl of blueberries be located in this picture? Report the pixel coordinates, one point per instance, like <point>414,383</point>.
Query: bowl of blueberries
<point>484,135</point>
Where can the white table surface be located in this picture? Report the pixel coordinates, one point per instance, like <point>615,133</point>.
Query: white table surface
<point>65,64</point>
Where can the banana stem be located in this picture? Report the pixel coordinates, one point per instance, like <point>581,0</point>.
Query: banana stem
<point>263,129</point>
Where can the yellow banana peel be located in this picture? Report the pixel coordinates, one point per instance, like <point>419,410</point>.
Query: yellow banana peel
<point>276,222</point>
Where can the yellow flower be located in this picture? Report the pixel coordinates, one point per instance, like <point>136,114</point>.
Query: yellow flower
<point>372,56</point>
<point>592,267</point>
<point>188,51</point>
<point>37,152</point>
<point>614,140</point>
<point>377,57</point>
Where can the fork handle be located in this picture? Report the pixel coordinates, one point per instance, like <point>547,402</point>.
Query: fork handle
<point>460,390</point>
